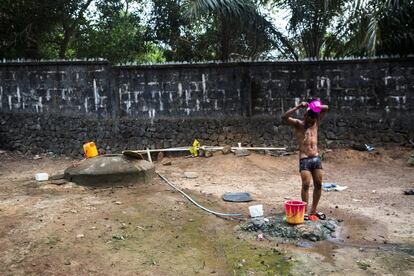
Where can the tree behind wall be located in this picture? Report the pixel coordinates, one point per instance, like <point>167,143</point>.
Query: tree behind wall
<point>188,30</point>
<point>337,28</point>
<point>384,27</point>
<point>25,25</point>
<point>312,24</point>
<point>64,29</point>
<point>210,29</point>
<point>116,35</point>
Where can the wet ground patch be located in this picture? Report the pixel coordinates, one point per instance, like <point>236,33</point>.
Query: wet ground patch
<point>277,227</point>
<point>191,241</point>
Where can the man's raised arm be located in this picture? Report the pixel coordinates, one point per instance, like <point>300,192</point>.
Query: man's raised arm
<point>292,121</point>
<point>324,110</point>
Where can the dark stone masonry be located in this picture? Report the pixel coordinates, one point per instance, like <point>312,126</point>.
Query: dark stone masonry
<point>57,106</point>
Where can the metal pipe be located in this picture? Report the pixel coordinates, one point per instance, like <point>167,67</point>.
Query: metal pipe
<point>204,148</point>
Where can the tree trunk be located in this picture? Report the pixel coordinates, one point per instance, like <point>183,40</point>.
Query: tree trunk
<point>69,29</point>
<point>65,43</point>
<point>225,40</point>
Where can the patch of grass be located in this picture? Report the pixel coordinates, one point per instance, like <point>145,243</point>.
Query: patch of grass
<point>245,259</point>
<point>363,265</point>
<point>52,240</point>
<point>118,237</point>
<point>151,261</point>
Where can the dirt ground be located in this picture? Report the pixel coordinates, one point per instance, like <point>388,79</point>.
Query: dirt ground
<point>151,230</point>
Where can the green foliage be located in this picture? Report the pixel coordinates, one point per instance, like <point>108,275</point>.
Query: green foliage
<point>375,27</point>
<point>195,30</point>
<point>24,26</point>
<point>389,26</point>
<point>175,35</point>
<point>313,25</point>
<point>224,8</point>
<point>211,29</point>
<point>116,35</point>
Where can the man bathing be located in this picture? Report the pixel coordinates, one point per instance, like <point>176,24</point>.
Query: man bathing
<point>310,166</point>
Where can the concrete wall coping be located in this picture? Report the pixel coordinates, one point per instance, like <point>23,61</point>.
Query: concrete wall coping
<point>207,63</point>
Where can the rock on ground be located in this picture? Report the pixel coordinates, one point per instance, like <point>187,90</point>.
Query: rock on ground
<point>410,160</point>
<point>241,152</point>
<point>226,150</point>
<point>190,174</point>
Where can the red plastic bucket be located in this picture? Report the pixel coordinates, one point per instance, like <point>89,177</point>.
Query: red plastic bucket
<point>295,211</point>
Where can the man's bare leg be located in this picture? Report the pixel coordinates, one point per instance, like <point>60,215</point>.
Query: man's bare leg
<point>317,189</point>
<point>306,179</point>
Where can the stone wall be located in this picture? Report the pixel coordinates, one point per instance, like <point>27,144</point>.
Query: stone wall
<point>62,134</point>
<point>179,91</point>
<point>57,106</point>
<point>55,87</point>
<point>368,87</point>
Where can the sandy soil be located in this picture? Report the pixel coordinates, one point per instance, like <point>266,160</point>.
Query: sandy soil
<point>66,229</point>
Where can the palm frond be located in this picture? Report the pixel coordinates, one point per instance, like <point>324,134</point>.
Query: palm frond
<point>373,36</point>
<point>246,13</point>
<point>234,8</point>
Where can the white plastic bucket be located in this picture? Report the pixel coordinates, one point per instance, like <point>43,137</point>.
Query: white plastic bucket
<point>41,176</point>
<point>256,211</point>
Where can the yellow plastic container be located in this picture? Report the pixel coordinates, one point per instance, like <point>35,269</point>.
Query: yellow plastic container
<point>194,149</point>
<point>90,150</point>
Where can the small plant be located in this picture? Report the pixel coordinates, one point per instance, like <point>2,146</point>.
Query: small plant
<point>118,237</point>
<point>52,240</point>
<point>363,265</point>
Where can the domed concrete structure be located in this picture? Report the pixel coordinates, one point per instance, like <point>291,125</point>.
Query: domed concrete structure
<point>111,170</point>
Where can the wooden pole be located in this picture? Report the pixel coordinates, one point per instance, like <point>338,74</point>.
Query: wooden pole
<point>149,155</point>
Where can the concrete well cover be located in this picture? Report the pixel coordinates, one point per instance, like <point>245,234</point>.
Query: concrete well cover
<point>108,170</point>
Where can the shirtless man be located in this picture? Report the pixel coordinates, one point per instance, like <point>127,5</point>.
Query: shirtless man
<point>310,166</point>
